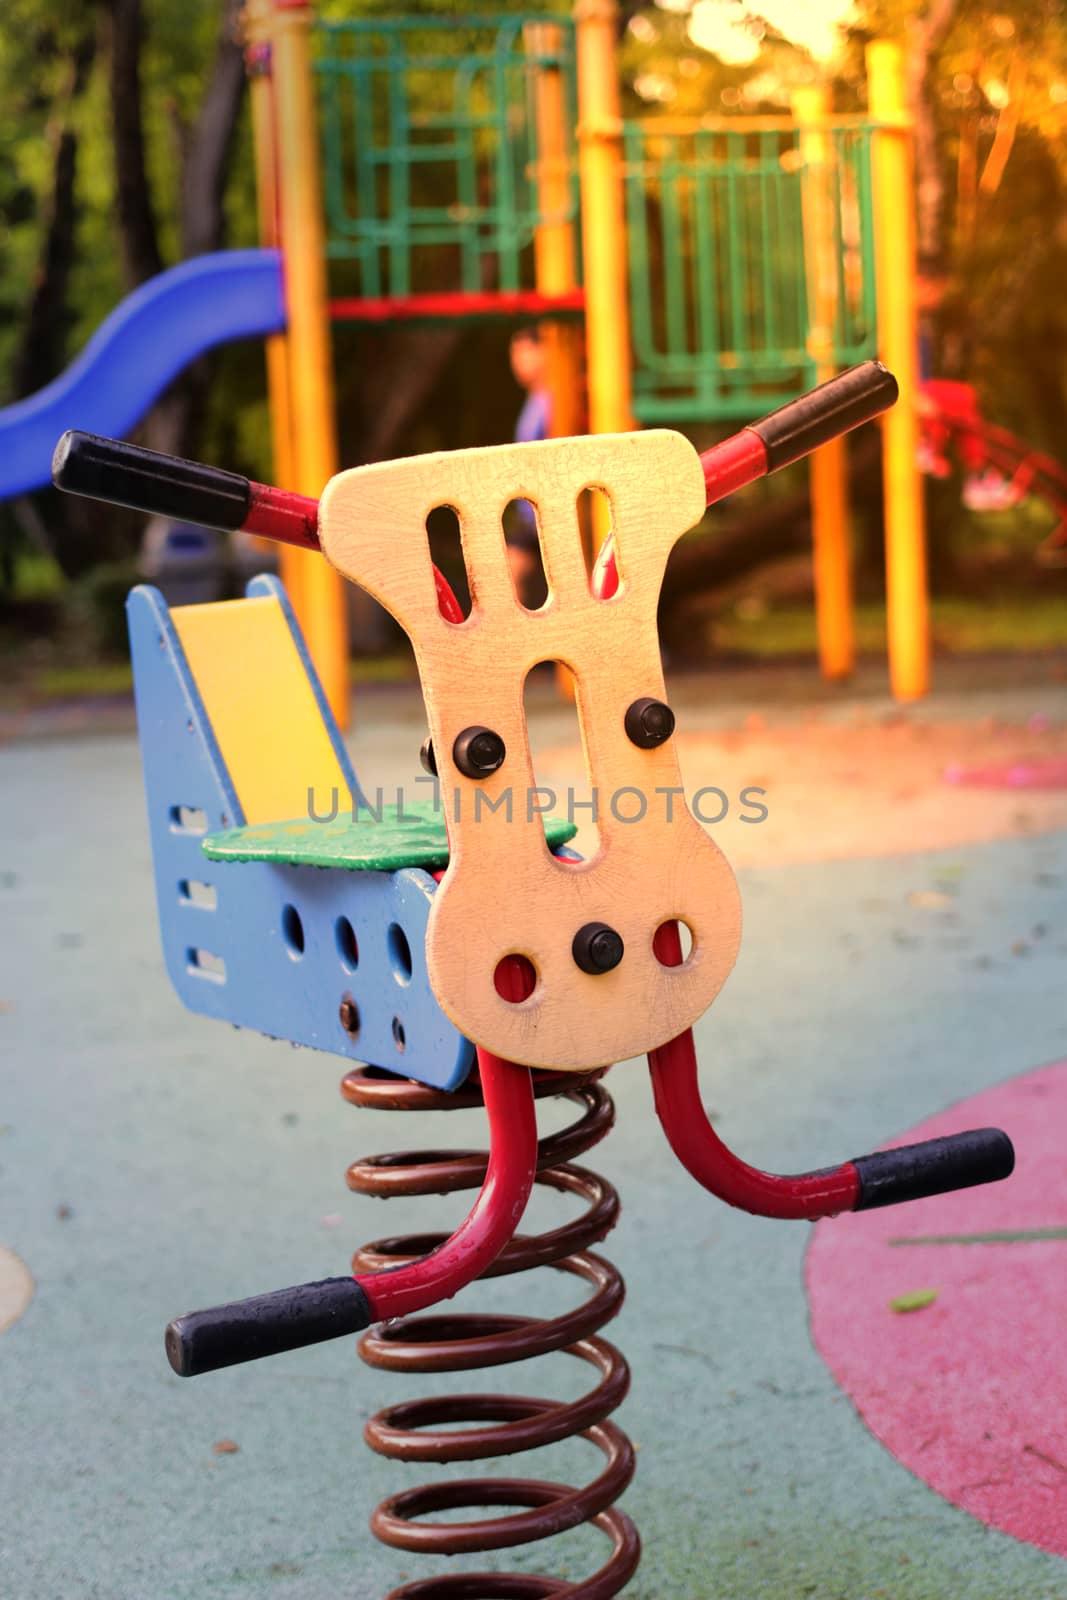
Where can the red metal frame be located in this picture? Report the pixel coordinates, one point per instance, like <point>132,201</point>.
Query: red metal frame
<point>675,1085</point>
<point>412,307</point>
<point>739,460</point>
<point>730,465</point>
<point>492,1220</point>
<point>292,518</point>
<point>676,1090</point>
<point>283,515</point>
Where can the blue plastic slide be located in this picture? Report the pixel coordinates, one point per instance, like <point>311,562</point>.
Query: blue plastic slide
<point>141,348</point>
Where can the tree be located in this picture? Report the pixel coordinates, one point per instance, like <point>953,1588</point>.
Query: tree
<point>111,180</point>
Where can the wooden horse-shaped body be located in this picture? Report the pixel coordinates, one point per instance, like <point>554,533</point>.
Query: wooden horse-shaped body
<point>505,893</point>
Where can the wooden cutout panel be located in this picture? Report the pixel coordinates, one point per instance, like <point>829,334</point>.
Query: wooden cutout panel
<point>503,891</point>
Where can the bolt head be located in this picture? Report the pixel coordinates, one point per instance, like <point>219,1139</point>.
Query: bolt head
<point>597,948</point>
<point>478,752</point>
<point>427,758</point>
<point>649,723</point>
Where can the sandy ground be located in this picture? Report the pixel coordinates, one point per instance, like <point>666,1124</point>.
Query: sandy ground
<point>866,786</point>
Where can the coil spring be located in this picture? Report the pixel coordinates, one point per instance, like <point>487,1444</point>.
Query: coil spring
<point>504,1424</point>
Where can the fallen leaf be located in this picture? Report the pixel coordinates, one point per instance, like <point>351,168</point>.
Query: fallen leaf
<point>224,1447</point>
<point>914,1300</point>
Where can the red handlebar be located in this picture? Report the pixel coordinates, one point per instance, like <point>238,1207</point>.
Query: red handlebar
<point>146,480</point>
<point>889,1177</point>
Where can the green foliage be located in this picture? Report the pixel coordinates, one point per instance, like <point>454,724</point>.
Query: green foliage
<point>1012,625</point>
<point>998,88</point>
<point>37,41</point>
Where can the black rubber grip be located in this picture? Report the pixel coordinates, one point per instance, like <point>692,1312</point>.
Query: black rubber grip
<point>983,1155</point>
<point>145,480</point>
<point>833,408</point>
<point>265,1325</point>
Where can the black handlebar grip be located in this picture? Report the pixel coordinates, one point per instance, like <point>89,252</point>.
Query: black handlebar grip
<point>146,480</point>
<point>833,408</point>
<point>265,1325</point>
<point>913,1171</point>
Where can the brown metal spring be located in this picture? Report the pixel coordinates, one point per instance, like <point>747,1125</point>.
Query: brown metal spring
<point>448,1342</point>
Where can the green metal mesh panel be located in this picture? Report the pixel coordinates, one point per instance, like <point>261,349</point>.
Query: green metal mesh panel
<point>430,149</point>
<point>718,280</point>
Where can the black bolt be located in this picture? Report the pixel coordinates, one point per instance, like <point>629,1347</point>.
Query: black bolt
<point>478,752</point>
<point>649,723</point>
<point>597,948</point>
<point>349,1015</point>
<point>427,757</point>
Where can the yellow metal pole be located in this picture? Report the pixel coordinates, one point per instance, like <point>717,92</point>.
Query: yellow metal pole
<point>600,171</point>
<point>555,254</point>
<point>907,601</point>
<point>256,19</point>
<point>322,600</point>
<point>829,464</point>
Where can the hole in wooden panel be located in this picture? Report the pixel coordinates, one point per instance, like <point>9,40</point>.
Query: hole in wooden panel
<point>595,521</point>
<point>561,786</point>
<point>446,552</point>
<point>672,943</point>
<point>515,978</point>
<point>192,892</point>
<point>204,964</point>
<point>525,559</point>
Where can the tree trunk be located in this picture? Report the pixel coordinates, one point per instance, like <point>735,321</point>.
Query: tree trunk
<point>208,148</point>
<point>138,234</point>
<point>927,35</point>
<point>73,531</point>
<point>206,152</point>
<point>41,353</point>
<point>44,336</point>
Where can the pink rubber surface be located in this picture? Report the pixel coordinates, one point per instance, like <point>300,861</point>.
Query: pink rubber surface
<point>1051,774</point>
<point>969,1393</point>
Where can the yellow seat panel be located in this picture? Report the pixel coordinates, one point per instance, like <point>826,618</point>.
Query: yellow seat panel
<point>261,706</point>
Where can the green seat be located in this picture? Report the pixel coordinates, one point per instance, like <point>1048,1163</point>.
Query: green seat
<point>416,838</point>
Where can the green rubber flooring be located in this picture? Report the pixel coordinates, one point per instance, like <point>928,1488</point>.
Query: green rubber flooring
<point>152,1162</point>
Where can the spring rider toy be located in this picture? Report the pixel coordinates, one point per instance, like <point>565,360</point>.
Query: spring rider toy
<point>466,956</point>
